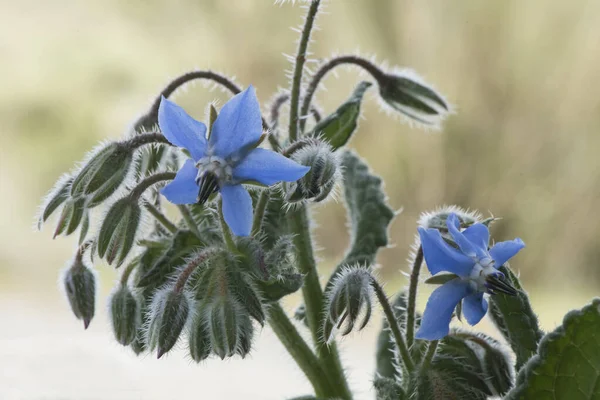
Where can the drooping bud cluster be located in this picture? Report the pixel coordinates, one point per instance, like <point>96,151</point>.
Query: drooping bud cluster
<point>118,231</point>
<point>169,313</point>
<point>350,293</point>
<point>319,182</point>
<point>80,288</point>
<point>125,316</point>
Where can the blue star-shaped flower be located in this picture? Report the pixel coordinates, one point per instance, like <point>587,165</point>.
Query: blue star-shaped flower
<point>477,271</point>
<point>228,158</point>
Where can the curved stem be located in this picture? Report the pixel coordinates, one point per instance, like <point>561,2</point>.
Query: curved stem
<point>412,297</point>
<point>189,219</point>
<point>127,272</point>
<point>160,217</point>
<point>259,211</point>
<point>299,67</point>
<point>296,346</point>
<point>314,302</point>
<point>151,180</point>
<point>365,64</point>
<point>393,323</point>
<point>189,268</point>
<point>146,138</point>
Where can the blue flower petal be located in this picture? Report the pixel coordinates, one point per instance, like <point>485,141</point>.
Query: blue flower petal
<point>503,251</point>
<point>440,256</point>
<point>238,124</point>
<point>435,323</point>
<point>465,245</point>
<point>180,129</point>
<point>268,167</point>
<point>183,189</point>
<point>474,307</point>
<point>479,236</point>
<point>237,209</point>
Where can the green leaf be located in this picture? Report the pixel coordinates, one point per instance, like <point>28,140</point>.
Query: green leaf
<point>388,389</point>
<point>567,365</point>
<point>278,287</point>
<point>338,127</point>
<point>516,320</point>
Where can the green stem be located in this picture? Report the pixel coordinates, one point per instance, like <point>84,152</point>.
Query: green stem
<point>412,297</point>
<point>127,272</point>
<point>160,217</point>
<point>146,138</point>
<point>189,219</point>
<point>431,348</point>
<point>299,350</point>
<point>225,229</point>
<point>314,302</point>
<point>393,323</point>
<point>259,211</point>
<point>365,64</point>
<point>299,68</point>
<point>141,187</point>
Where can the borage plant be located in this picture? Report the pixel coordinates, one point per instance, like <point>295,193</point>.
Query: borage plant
<point>244,242</point>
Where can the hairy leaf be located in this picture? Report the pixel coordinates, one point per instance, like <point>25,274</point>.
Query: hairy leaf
<point>567,365</point>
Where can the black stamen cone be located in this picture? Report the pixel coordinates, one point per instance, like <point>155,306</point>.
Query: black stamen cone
<point>497,284</point>
<point>209,184</point>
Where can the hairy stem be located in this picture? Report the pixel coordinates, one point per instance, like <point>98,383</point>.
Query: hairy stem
<point>394,327</point>
<point>189,269</point>
<point>189,219</point>
<point>141,187</point>
<point>314,302</point>
<point>146,138</point>
<point>127,272</point>
<point>225,229</point>
<point>259,211</point>
<point>299,68</point>
<point>412,297</point>
<point>300,352</point>
<point>365,64</point>
<point>431,348</point>
<point>160,217</point>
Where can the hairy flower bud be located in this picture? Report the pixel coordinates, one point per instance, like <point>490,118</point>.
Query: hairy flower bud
<point>199,337</point>
<point>80,287</point>
<point>124,315</point>
<point>118,231</point>
<point>224,323</point>
<point>407,93</point>
<point>71,216</point>
<point>169,313</point>
<point>55,198</point>
<point>350,292</point>
<point>436,219</point>
<point>245,336</point>
<point>320,180</point>
<point>102,175</point>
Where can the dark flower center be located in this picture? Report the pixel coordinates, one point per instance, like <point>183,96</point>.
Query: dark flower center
<point>209,184</point>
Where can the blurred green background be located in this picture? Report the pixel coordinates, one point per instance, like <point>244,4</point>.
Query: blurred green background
<point>523,145</point>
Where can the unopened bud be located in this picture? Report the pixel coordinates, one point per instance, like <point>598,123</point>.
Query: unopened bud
<point>437,219</point>
<point>245,336</point>
<point>124,315</point>
<point>80,287</point>
<point>224,321</point>
<point>350,292</point>
<point>169,313</point>
<point>71,216</point>
<point>118,231</point>
<point>320,180</point>
<point>55,198</point>
<point>407,93</point>
<point>102,175</point>
<point>199,337</point>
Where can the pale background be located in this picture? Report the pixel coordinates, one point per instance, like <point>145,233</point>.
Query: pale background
<point>524,145</point>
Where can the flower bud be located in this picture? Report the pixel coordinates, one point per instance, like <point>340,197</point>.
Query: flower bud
<point>124,315</point>
<point>246,334</point>
<point>118,231</point>
<point>224,323</point>
<point>102,175</point>
<point>80,287</point>
<point>169,313</point>
<point>320,180</point>
<point>246,295</point>
<point>55,198</point>
<point>71,216</point>
<point>283,278</point>
<point>349,293</point>
<point>437,219</point>
<point>199,338</point>
<point>407,93</point>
